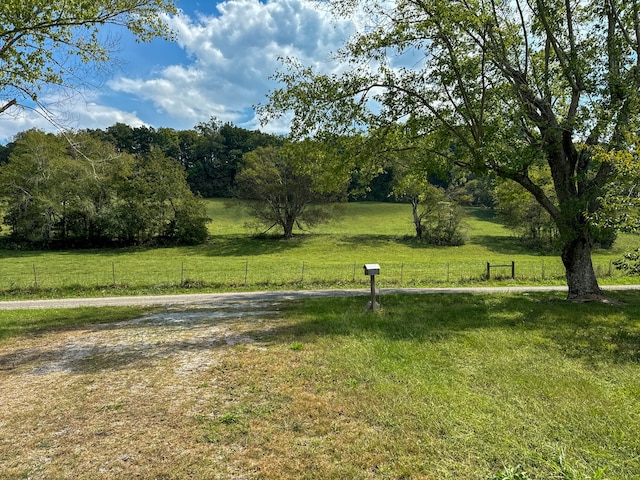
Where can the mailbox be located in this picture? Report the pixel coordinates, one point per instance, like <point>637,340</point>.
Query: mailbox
<point>371,269</point>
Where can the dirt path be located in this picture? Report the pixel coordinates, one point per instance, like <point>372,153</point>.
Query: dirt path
<point>121,400</point>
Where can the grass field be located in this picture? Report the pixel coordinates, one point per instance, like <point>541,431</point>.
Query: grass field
<point>462,387</point>
<point>329,256</point>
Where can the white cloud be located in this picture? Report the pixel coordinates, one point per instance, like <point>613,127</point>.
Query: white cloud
<point>228,60</point>
<point>232,56</point>
<point>64,113</point>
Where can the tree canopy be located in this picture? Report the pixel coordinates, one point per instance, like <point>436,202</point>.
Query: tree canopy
<point>210,152</point>
<point>511,86</point>
<point>46,42</point>
<point>284,187</point>
<point>79,191</point>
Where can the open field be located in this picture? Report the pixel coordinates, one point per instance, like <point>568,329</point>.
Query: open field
<point>329,256</point>
<point>431,387</point>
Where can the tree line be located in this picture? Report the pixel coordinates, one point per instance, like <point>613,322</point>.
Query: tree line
<point>128,185</point>
<point>74,190</point>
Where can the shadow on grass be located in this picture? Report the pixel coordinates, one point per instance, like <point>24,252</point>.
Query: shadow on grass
<point>482,214</point>
<point>592,332</point>
<point>502,245</point>
<point>388,241</point>
<point>246,246</point>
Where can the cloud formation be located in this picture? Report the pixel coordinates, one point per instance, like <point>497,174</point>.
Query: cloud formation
<point>66,112</point>
<point>233,54</point>
<point>226,60</point>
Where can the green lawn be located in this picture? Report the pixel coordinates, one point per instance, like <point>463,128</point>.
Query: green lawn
<point>328,256</point>
<point>464,387</point>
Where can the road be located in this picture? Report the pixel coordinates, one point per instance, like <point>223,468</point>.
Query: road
<point>235,297</point>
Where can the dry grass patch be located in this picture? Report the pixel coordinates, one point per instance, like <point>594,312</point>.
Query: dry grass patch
<point>120,400</point>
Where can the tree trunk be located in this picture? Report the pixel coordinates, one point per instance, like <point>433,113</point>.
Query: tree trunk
<point>417,220</point>
<point>287,226</point>
<point>581,277</point>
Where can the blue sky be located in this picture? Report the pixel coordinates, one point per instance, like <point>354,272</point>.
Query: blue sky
<point>219,66</point>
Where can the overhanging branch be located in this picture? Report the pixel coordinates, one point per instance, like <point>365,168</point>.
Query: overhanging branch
<point>8,105</point>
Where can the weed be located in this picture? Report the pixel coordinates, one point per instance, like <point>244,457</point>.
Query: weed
<point>511,473</point>
<point>110,407</point>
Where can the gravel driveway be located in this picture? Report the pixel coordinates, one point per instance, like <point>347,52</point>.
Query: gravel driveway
<point>234,297</point>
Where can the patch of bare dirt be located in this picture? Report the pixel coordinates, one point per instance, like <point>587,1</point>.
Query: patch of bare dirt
<point>118,400</point>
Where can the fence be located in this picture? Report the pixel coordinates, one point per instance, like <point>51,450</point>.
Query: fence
<point>255,274</point>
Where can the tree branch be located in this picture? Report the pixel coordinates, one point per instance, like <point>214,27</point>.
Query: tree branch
<point>8,105</point>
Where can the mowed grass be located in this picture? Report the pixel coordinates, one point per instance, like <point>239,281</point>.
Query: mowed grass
<point>328,256</point>
<point>429,387</point>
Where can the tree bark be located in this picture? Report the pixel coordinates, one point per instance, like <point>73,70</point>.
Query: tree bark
<point>581,277</point>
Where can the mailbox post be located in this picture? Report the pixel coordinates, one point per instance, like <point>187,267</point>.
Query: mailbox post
<point>372,269</point>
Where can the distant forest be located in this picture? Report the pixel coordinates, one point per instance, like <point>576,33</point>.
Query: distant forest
<point>209,153</point>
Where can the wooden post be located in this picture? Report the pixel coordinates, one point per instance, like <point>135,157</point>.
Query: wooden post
<point>488,271</point>
<point>513,270</point>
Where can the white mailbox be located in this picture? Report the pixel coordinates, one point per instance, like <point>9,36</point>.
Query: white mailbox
<point>371,269</point>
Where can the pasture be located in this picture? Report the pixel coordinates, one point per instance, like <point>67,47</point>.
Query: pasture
<point>439,386</point>
<point>328,256</point>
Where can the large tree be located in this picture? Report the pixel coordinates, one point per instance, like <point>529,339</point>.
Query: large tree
<point>284,189</point>
<point>46,42</point>
<point>510,84</point>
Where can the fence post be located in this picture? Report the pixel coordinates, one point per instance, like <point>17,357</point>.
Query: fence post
<point>113,273</point>
<point>246,271</point>
<point>513,270</point>
<point>302,277</point>
<point>35,276</point>
<point>488,271</point>
<point>401,273</point>
<point>182,273</point>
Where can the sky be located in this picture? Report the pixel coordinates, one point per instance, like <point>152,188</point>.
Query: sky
<point>220,65</point>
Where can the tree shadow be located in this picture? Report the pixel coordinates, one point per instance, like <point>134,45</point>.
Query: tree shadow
<point>596,333</point>
<point>482,214</point>
<point>593,332</point>
<point>502,245</point>
<point>246,246</point>
<point>389,241</point>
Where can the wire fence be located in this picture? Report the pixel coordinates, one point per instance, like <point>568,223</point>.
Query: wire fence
<point>247,273</point>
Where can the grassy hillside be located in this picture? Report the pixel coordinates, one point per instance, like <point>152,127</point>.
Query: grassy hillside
<point>331,255</point>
